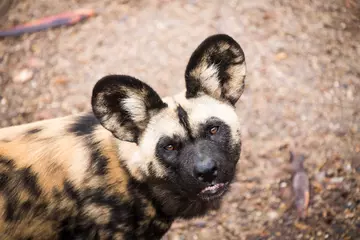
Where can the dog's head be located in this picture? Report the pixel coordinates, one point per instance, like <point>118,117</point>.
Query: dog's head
<point>190,141</point>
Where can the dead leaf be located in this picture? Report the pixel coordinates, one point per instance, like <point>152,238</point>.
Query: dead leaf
<point>60,80</point>
<point>281,56</point>
<point>268,15</point>
<point>301,226</point>
<point>301,185</point>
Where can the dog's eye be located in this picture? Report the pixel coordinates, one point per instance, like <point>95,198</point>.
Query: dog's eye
<point>214,130</point>
<point>170,147</point>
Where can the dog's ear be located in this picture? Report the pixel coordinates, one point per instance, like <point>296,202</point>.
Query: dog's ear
<point>217,68</point>
<point>124,105</point>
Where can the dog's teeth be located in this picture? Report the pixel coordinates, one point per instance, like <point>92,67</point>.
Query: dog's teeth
<point>213,188</point>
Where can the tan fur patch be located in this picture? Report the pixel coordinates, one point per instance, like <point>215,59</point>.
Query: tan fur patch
<point>34,228</point>
<point>2,206</point>
<point>116,176</point>
<point>118,236</point>
<point>52,154</point>
<point>14,132</point>
<point>100,214</point>
<point>208,75</point>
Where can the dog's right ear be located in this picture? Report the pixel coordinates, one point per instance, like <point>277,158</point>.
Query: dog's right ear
<point>124,105</point>
<point>216,68</point>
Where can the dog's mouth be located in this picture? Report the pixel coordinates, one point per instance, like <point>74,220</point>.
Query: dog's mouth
<point>214,191</point>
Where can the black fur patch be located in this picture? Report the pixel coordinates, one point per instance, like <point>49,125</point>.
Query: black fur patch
<point>3,180</point>
<point>122,218</point>
<point>84,125</point>
<point>30,181</point>
<point>151,169</point>
<point>6,162</point>
<point>143,191</point>
<point>168,158</point>
<point>10,209</point>
<point>33,131</point>
<point>23,177</point>
<point>75,227</point>
<point>71,192</point>
<point>20,190</point>
<point>223,137</point>
<point>98,161</point>
<point>184,120</point>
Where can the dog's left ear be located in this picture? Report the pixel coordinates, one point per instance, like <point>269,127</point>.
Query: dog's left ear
<point>216,68</point>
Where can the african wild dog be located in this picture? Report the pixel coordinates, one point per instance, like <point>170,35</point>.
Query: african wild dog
<point>135,164</point>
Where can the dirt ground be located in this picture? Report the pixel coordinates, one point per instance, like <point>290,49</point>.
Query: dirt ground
<point>302,95</point>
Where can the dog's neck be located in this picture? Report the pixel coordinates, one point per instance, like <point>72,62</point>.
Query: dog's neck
<point>177,205</point>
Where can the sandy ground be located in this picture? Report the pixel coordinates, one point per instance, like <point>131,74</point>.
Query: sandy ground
<point>302,95</point>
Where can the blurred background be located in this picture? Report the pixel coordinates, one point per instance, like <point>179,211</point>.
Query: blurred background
<point>302,95</point>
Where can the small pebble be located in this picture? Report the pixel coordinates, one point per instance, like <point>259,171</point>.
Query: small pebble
<point>36,62</point>
<point>273,215</point>
<point>3,101</point>
<point>330,173</point>
<point>23,76</point>
<point>281,56</point>
<point>200,224</point>
<point>348,167</point>
<point>320,176</point>
<point>337,180</point>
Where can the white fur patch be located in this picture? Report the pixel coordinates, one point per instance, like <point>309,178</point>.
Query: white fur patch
<point>135,105</point>
<point>208,76</point>
<point>202,108</point>
<point>164,124</point>
<point>236,87</point>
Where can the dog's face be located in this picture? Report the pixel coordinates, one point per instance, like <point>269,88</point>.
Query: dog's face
<point>190,141</point>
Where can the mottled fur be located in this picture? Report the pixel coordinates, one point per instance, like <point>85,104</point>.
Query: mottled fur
<point>106,175</point>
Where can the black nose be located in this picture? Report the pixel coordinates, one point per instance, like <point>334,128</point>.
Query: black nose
<point>205,170</point>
